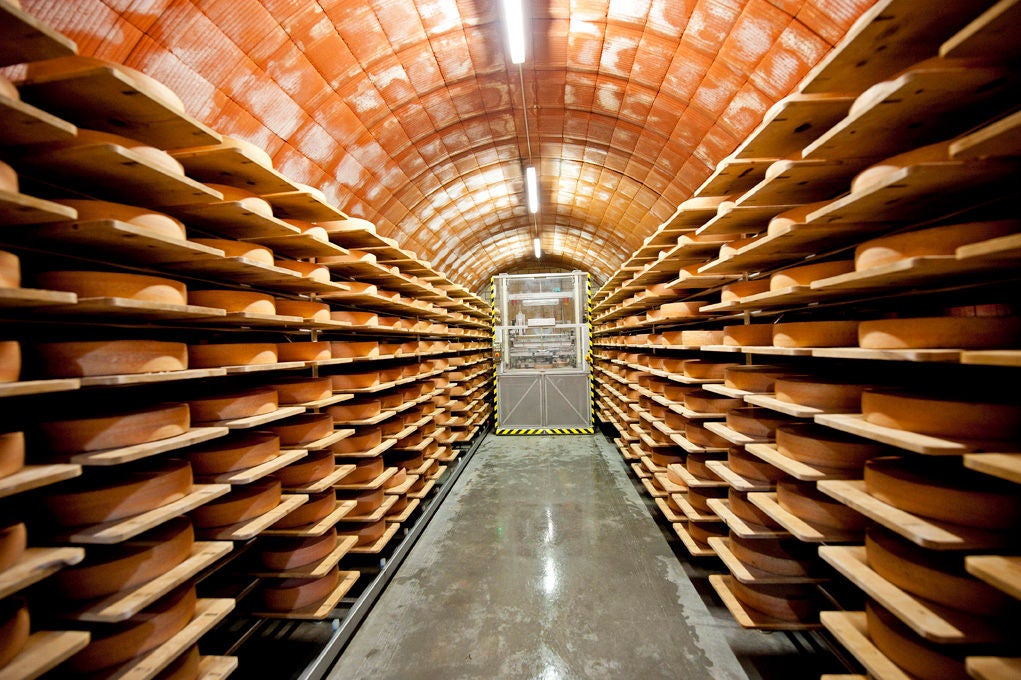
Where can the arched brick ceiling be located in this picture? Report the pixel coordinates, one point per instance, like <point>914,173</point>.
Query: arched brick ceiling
<point>408,112</point>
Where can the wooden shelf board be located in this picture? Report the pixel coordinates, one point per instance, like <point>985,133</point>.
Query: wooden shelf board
<point>740,527</point>
<point>663,482</point>
<point>793,122</point>
<point>651,489</point>
<point>694,548</point>
<point>140,310</point>
<point>799,528</point>
<point>249,475</point>
<point>315,569</point>
<point>216,667</point>
<point>772,403</point>
<point>855,423</point>
<point>18,208</point>
<point>127,454</point>
<point>257,420</point>
<point>691,447</point>
<point>729,391</point>
<point>739,219</point>
<point>747,617</point>
<point>916,355</point>
<point>743,573</point>
<point>696,482</point>
<point>668,513</point>
<point>691,513</point>
<point>796,182</point>
<point>797,469</point>
<point>30,298</point>
<point>231,219</point>
<point>374,516</point>
<point>327,441</point>
<point>731,176</point>
<point>303,205</point>
<point>327,482</point>
<point>321,610</point>
<point>315,529</point>
<point>44,650</point>
<point>993,357</point>
<point>851,630</point>
<point>35,476</point>
<point>227,164</point>
<point>424,491</point>
<point>993,667</point>
<point>326,401</point>
<point>999,138</point>
<point>34,565</point>
<point>377,547</point>
<point>250,528</point>
<point>640,471</point>
<point>375,420</point>
<point>242,270</point>
<point>736,481</point>
<point>149,378</point>
<point>371,485</point>
<point>1004,465</point>
<point>299,246</point>
<point>733,436</point>
<point>25,38</point>
<point>405,514</point>
<point>1000,571</point>
<point>385,445</point>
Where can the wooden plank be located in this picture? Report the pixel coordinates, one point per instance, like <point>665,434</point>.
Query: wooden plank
<point>136,310</point>
<point>327,482</point>
<point>244,271</point>
<point>24,38</point>
<point>1004,465</point>
<point>30,298</point>
<point>34,565</point>
<point>224,163</point>
<point>742,219</point>
<point>668,513</point>
<point>799,528</point>
<point>45,650</point>
<point>691,545</point>
<point>855,423</point>
<point>736,481</point>
<point>992,35</point>
<point>370,485</point>
<point>795,182</point>
<point>743,573</point>
<point>992,357</point>
<point>998,139</point>
<point>374,516</point>
<point>732,176</point>
<point>915,355</point>
<point>691,513</point>
<point>797,469</point>
<point>250,528</point>
<point>319,528</point>
<point>149,378</point>
<point>742,528</point>
<point>257,420</point>
<point>424,491</point>
<point>650,487</point>
<point>377,547</point>
<point>384,445</point>
<point>299,246</point>
<point>792,123</point>
<point>216,667</point>
<point>851,630</point>
<point>127,454</point>
<point>320,610</point>
<point>733,436</point>
<point>999,571</point>
<point>772,403</point>
<point>694,482</point>
<point>25,387</point>
<point>231,219</point>
<point>750,618</point>
<point>315,569</point>
<point>999,252</point>
<point>26,124</point>
<point>34,476</point>
<point>993,667</point>
<point>257,472</point>
<point>17,208</point>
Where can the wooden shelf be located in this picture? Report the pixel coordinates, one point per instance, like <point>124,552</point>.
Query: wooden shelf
<point>30,298</point>
<point>17,208</point>
<point>994,357</point>
<point>743,573</point>
<point>651,489</point>
<point>316,528</point>
<point>733,436</point>
<point>748,617</point>
<point>303,205</point>
<point>772,403</point>
<point>691,512</point>
<point>321,610</point>
<point>1000,138</point>
<point>696,482</point>
<point>45,650</point>
<point>315,569</point>
<point>34,565</point>
<point>405,514</point>
<point>385,445</point>
<point>250,528</point>
<point>992,667</point>
<point>740,527</point>
<point>149,378</point>
<point>34,476</point>
<point>792,123</point>
<point>137,310</point>
<point>374,516</point>
<point>328,441</point>
<point>851,630</point>
<point>258,420</point>
<point>736,481</point>
<point>799,528</point>
<point>129,454</point>
<point>1002,572</point>
<point>915,355</point>
<point>1004,465</point>
<point>424,491</point>
<point>327,482</point>
<point>662,480</point>
<point>371,485</point>
<point>231,219</point>
<point>24,38</point>
<point>377,547</point>
<point>257,472</point>
<point>855,423</point>
<point>797,469</point>
<point>227,164</point>
<point>668,513</point>
<point>216,667</point>
<point>691,545</point>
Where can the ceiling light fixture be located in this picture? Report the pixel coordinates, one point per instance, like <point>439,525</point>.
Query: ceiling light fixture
<point>532,187</point>
<point>514,18</point>
<point>537,246</point>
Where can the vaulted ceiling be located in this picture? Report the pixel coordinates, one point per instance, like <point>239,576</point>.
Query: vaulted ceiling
<point>409,113</point>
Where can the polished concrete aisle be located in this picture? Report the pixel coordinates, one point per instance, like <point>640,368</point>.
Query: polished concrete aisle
<point>544,562</point>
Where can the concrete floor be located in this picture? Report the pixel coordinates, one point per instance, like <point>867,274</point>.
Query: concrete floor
<point>545,562</point>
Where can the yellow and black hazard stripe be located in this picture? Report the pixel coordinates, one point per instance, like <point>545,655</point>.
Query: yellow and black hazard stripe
<point>591,368</point>
<point>492,307</point>
<point>546,430</point>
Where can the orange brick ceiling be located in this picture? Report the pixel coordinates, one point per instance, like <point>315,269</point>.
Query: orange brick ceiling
<point>409,113</point>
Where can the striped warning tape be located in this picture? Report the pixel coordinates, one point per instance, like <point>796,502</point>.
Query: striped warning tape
<point>546,430</point>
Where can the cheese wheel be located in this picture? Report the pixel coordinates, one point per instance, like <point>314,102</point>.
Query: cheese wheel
<point>963,332</point>
<point>783,602</point>
<point>155,223</point>
<point>753,421</point>
<point>310,229</point>
<point>232,354</point>
<point>733,292</point>
<point>935,241</point>
<point>878,172</point>
<point>751,467</point>
<point>706,370</point>
<point>114,644</point>
<point>355,318</point>
<point>111,357</point>
<point>803,500</point>
<point>10,361</point>
<point>241,504</point>
<point>303,429</point>
<point>307,270</point>
<point>109,569</point>
<point>315,311</point>
<point>663,459</point>
<point>816,334</point>
<point>758,379</point>
<point>13,542</point>
<point>249,251</point>
<point>151,155</point>
<point>306,471</point>
<point>939,417</point>
<point>776,556</point>
<point>942,490</point>
<point>349,224</point>
<point>393,374</point>
<point>282,554</point>
<point>695,464</point>
<point>14,629</point>
<point>696,433</point>
<point>824,447</point>
<point>367,470</point>
<point>701,532</point>
<point>748,335</point>
<point>797,215</point>
<point>704,401</point>
<point>822,394</point>
<point>355,410</point>
<point>671,310</point>
<point>806,274</point>
<point>234,453</point>
<point>67,67</point>
<point>699,497</point>
<point>92,284</point>
<point>749,512</point>
<point>302,390</point>
<point>909,651</point>
<point>701,338</point>
<point>366,502</point>
<point>293,594</point>
<point>354,381</point>
<point>675,477</point>
<point>303,351</point>
<point>10,270</point>
<point>932,575</point>
<point>8,175</point>
<point>119,494</point>
<point>233,301</point>
<point>117,430</point>
<point>7,88</point>
<point>674,421</point>
<point>249,201</point>
<point>367,533</point>
<point>233,406</point>
<point>252,151</point>
<point>730,248</point>
<point>184,667</point>
<point>317,507</point>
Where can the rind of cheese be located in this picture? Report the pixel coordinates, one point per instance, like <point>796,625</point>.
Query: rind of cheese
<point>806,274</point>
<point>944,240</point>
<point>93,284</point>
<point>960,332</point>
<point>941,417</point>
<point>816,334</point>
<point>150,220</point>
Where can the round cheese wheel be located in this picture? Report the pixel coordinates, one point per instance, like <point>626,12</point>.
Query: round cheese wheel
<point>10,270</point>
<point>783,602</point>
<point>796,215</point>
<point>816,334</point>
<point>909,651</point>
<point>111,357</point>
<point>706,370</point>
<point>110,569</point>
<point>675,421</point>
<point>876,173</point>
<point>303,390</point>
<point>753,421</point>
<point>730,248</point>
<point>303,429</point>
<point>354,381</point>
<point>114,644</point>
<point>249,251</point>
<point>751,467</point>
<point>349,224</point>
<point>963,332</point>
<point>234,301</point>
<point>117,430</point>
<point>154,222</point>
<point>394,373</point>
<point>701,532</point>
<point>803,500</point>
<point>355,318</point>
<point>241,504</point>
<point>90,284</point>
<point>13,542</point>
<point>310,229</point>
<point>822,394</point>
<point>367,469</point>
<point>392,399</point>
<point>695,464</point>
<point>701,338</point>
<point>303,351</point>
<point>733,292</point>
<point>298,593</point>
<point>282,554</point>
<point>939,417</point>
<point>749,512</point>
<point>366,502</point>
<point>307,270</point>
<point>150,154</point>
<point>119,494</point>
<point>234,453</point>
<point>944,491</point>
<point>7,88</point>
<point>14,629</point>
<point>748,335</point>
<point>704,401</point>
<point>776,556</point>
<point>696,433</point>
<point>824,447</point>
<point>317,507</point>
<point>675,477</point>
<point>932,575</point>
<point>355,410</point>
<point>233,406</point>
<point>232,354</point>
<point>806,274</point>
<point>759,379</point>
<point>314,311</point>
<point>249,201</point>
<point>306,471</point>
<point>699,497</point>
<point>63,67</point>
<point>935,241</point>
<point>10,361</point>
<point>8,176</point>
<point>664,459</point>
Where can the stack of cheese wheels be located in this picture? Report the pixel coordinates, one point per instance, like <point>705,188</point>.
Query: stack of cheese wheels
<point>111,431</point>
<point>243,503</point>
<point>284,554</point>
<point>363,440</point>
<point>113,645</point>
<point>361,350</point>
<point>303,351</point>
<point>782,602</point>
<point>253,203</point>
<point>934,576</point>
<point>254,402</point>
<point>155,223</point>
<point>748,335</point>
<point>10,361</point>
<point>751,467</point>
<point>288,595</point>
<point>317,312</point>
<point>10,270</point>
<point>913,654</point>
<point>229,454</point>
<point>110,569</point>
<point>755,422</point>
<point>53,70</point>
<point>733,292</point>
<point>805,501</point>
<point>232,354</point>
<point>695,432</point>
<point>944,241</point>
<point>353,411</point>
<point>806,274</point>
<point>95,284</point>
<point>84,359</point>
<point>776,556</point>
<point>962,332</point>
<point>699,369</point>
<point>820,393</point>
<point>942,490</point>
<point>955,418</point>
<point>13,543</point>
<point>816,334</point>
<point>695,464</point>
<point>758,379</point>
<point>302,390</point>
<point>248,251</point>
<point>354,381</point>
<point>366,470</point>
<point>316,508</point>
<point>747,511</point>
<point>317,465</point>
<point>120,493</point>
<point>825,447</point>
<point>15,627</point>
<point>704,401</point>
<point>303,429</point>
<point>234,301</point>
<point>150,155</point>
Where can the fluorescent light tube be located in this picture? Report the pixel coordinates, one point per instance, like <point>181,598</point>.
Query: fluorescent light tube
<point>533,190</point>
<point>537,245</point>
<point>514,18</point>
